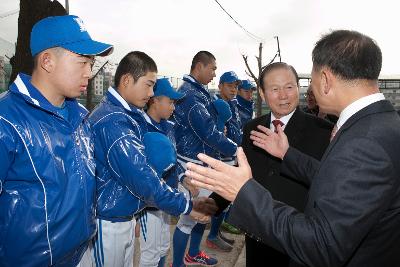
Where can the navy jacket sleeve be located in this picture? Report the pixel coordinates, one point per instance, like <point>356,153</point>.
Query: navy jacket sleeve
<point>342,209</point>
<point>205,128</point>
<point>126,159</point>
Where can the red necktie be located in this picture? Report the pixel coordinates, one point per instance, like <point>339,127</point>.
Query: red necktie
<point>276,123</point>
<point>333,133</point>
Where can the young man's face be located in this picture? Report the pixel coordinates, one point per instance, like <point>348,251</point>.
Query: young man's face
<point>207,72</point>
<point>228,91</point>
<point>164,106</point>
<point>71,72</point>
<point>281,92</point>
<point>138,92</point>
<point>246,94</point>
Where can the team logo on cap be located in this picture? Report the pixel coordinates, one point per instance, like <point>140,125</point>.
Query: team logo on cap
<point>80,23</point>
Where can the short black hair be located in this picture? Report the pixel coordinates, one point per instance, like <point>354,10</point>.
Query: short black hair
<point>57,50</point>
<point>204,57</point>
<point>274,66</point>
<point>348,54</point>
<point>135,63</point>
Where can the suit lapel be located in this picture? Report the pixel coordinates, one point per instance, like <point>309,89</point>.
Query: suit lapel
<point>295,128</point>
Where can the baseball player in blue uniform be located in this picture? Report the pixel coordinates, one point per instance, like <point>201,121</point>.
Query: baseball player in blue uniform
<point>245,101</point>
<point>126,183</point>
<point>196,132</point>
<point>228,88</point>
<point>154,223</point>
<point>47,183</point>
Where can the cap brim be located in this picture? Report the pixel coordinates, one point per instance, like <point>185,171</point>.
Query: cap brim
<point>176,95</point>
<point>248,88</point>
<point>89,48</point>
<point>231,81</point>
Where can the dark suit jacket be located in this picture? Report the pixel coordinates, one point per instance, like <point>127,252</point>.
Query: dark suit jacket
<point>305,132</point>
<point>352,216</point>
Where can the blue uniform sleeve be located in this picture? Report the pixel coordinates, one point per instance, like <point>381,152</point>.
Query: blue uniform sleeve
<point>205,128</point>
<point>234,126</point>
<point>173,176</point>
<point>127,162</point>
<point>7,153</point>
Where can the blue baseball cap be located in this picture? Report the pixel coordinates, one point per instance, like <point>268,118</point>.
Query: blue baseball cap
<point>154,143</point>
<point>224,113</point>
<point>163,87</point>
<point>247,85</point>
<point>67,32</point>
<point>229,77</point>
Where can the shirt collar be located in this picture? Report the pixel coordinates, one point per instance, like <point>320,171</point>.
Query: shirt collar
<point>284,119</point>
<point>356,106</point>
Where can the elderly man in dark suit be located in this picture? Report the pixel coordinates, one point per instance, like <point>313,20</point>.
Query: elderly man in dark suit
<point>352,215</point>
<point>279,85</point>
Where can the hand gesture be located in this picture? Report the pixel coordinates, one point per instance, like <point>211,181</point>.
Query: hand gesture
<point>275,144</point>
<point>221,178</point>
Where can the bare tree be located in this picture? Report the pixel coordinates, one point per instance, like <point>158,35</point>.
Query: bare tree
<point>30,12</point>
<point>260,66</point>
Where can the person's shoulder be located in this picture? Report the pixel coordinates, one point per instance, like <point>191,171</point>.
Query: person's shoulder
<point>256,121</point>
<point>5,98</point>
<point>106,115</point>
<point>10,103</point>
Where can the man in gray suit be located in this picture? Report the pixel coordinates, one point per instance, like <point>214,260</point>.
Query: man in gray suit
<point>352,216</point>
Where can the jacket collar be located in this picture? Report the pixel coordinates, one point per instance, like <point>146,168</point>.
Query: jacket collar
<point>164,126</point>
<point>22,86</point>
<point>377,107</point>
<point>115,98</point>
<point>232,102</point>
<point>244,103</point>
<point>190,79</point>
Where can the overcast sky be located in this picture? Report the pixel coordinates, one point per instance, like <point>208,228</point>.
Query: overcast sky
<point>172,31</point>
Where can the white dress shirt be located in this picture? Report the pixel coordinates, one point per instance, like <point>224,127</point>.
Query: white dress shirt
<point>284,119</point>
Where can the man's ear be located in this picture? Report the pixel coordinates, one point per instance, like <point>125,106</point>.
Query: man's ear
<point>327,80</point>
<point>126,79</point>
<point>46,61</point>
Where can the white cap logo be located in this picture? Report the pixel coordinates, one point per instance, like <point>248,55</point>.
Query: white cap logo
<point>80,23</point>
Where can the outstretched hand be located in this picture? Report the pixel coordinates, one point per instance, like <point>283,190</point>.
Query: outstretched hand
<point>275,144</point>
<point>221,178</point>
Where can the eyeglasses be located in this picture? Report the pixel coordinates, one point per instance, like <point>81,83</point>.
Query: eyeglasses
<point>308,94</point>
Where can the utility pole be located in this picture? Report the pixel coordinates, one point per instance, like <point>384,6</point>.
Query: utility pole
<point>67,6</point>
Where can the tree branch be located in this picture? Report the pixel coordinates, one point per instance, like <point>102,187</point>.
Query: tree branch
<point>249,69</point>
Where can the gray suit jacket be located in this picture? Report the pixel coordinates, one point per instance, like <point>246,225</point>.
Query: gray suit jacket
<point>352,216</point>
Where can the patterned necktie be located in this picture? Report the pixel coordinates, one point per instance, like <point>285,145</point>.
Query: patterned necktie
<point>276,123</point>
<point>333,133</point>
